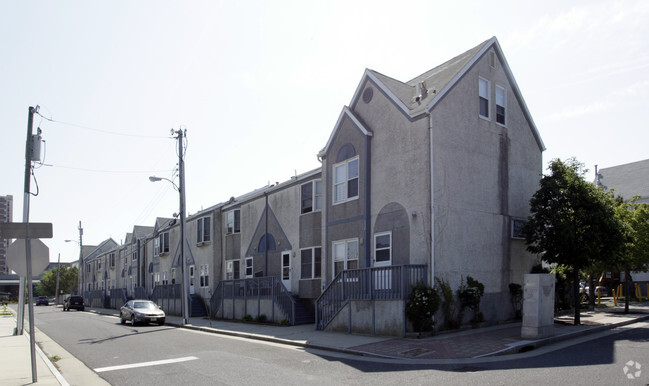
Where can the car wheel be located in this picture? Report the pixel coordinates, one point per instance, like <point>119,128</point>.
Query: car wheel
<point>121,319</point>
<point>132,320</point>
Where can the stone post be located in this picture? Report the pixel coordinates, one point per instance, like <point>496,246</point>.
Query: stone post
<point>538,306</point>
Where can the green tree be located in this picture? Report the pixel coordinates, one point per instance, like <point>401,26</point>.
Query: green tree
<point>572,222</point>
<point>635,254</point>
<point>68,280</point>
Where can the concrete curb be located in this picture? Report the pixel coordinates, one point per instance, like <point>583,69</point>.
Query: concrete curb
<point>516,348</point>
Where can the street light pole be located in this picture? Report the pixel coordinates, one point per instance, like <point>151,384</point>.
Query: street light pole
<point>183,223</point>
<point>80,259</point>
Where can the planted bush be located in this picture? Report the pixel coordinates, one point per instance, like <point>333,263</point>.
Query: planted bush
<point>421,307</point>
<point>470,294</point>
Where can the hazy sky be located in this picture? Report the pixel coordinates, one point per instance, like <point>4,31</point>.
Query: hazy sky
<point>259,86</point>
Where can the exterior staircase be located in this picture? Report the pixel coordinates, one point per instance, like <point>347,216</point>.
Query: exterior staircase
<point>302,314</point>
<point>196,307</point>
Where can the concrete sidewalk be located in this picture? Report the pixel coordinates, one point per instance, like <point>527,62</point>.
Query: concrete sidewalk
<point>449,347</point>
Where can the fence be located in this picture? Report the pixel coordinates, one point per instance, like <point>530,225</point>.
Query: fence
<point>377,283</point>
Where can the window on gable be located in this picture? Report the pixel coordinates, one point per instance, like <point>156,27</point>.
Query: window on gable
<point>311,196</point>
<point>160,245</point>
<point>483,91</point>
<point>345,254</point>
<point>203,230</point>
<point>345,180</point>
<point>500,104</point>
<point>233,221</point>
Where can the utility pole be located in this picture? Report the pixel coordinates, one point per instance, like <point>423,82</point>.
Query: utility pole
<point>58,272</point>
<point>29,153</point>
<point>80,259</point>
<point>183,225</point>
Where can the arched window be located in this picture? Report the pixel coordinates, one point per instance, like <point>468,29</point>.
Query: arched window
<point>267,242</point>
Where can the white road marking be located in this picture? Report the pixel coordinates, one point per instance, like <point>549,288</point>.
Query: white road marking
<point>144,364</point>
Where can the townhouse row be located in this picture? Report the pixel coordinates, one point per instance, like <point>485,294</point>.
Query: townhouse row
<point>424,179</point>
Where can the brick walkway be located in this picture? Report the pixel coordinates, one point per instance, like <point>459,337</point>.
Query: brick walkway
<point>469,345</point>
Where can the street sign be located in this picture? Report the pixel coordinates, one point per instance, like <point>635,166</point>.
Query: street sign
<point>18,230</point>
<point>16,257</point>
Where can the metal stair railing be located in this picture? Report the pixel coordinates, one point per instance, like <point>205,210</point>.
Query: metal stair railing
<point>267,287</point>
<point>376,283</point>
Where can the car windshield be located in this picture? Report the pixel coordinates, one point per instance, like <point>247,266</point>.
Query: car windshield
<point>144,305</point>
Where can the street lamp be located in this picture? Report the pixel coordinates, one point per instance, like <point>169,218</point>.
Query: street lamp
<point>80,242</point>
<point>183,223</point>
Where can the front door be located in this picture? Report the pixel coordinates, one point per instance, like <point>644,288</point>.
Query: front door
<point>383,258</point>
<point>286,269</point>
<point>191,279</point>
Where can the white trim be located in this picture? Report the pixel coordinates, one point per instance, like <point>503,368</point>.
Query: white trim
<point>389,261</point>
<point>488,98</point>
<point>504,105</point>
<point>346,182</point>
<point>359,125</point>
<point>252,267</point>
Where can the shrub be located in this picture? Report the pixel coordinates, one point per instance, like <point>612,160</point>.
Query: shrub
<point>246,318</point>
<point>448,305</point>
<point>421,307</point>
<point>516,293</point>
<point>284,322</point>
<point>470,294</point>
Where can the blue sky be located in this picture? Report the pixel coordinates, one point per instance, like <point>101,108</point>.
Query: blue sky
<point>259,85</point>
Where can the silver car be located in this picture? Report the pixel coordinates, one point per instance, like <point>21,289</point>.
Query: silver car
<point>144,311</point>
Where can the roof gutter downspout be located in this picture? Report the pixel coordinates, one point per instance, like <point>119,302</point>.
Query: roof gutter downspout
<point>432,202</point>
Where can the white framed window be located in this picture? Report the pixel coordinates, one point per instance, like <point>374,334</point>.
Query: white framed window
<point>232,270</point>
<point>164,278</point>
<point>160,245</point>
<point>250,267</point>
<point>204,276</point>
<point>311,197</point>
<point>98,265</point>
<point>311,263</point>
<point>345,255</point>
<point>233,221</point>
<point>501,99</point>
<point>111,260</point>
<point>383,248</point>
<point>483,93</point>
<point>345,181</point>
<point>203,230</point>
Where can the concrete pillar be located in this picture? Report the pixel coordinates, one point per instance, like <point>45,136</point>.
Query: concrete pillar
<point>538,306</point>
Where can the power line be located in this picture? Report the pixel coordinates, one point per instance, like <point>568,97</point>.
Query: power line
<point>100,130</point>
<point>106,171</point>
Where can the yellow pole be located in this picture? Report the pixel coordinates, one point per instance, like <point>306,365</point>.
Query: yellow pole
<point>614,296</point>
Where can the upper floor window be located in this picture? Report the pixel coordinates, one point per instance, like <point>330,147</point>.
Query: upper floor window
<point>345,253</point>
<point>311,196</point>
<point>500,104</point>
<point>111,260</point>
<point>483,91</point>
<point>233,221</point>
<point>160,245</point>
<point>345,180</point>
<point>98,265</point>
<point>203,230</point>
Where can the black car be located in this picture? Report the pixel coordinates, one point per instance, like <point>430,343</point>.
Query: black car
<point>144,311</point>
<point>42,301</point>
<point>74,302</point>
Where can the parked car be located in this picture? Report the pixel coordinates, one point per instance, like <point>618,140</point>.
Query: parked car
<point>144,311</point>
<point>585,291</point>
<point>75,301</point>
<point>42,301</point>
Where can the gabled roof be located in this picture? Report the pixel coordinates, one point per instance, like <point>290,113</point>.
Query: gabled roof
<point>162,223</point>
<point>140,232</point>
<point>627,180</point>
<point>346,112</point>
<point>421,94</point>
<point>104,246</point>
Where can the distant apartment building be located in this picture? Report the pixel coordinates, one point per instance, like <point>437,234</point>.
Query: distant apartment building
<point>6,215</point>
